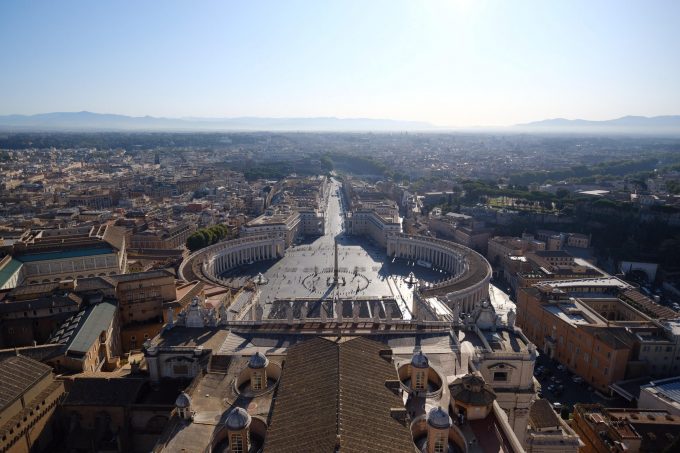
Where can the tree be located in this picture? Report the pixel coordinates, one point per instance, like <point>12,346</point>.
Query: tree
<point>196,241</point>
<point>207,236</point>
<point>326,163</point>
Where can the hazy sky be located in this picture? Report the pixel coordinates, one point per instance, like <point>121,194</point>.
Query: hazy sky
<point>453,63</point>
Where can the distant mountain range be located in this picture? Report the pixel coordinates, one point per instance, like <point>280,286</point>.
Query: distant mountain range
<point>88,121</point>
<point>626,124</point>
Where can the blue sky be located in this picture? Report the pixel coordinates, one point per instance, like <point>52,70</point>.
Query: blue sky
<point>449,62</point>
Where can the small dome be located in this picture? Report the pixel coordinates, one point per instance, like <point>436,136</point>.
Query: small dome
<point>439,418</point>
<point>420,360</point>
<point>183,401</point>
<point>258,360</point>
<point>238,419</point>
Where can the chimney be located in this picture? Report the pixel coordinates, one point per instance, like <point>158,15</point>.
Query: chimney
<point>386,354</point>
<point>399,414</point>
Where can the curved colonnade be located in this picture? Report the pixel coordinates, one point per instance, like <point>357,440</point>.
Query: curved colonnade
<point>210,262</point>
<point>470,271</point>
<point>467,285</point>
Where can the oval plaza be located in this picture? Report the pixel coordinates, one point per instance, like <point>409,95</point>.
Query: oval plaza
<point>346,271</point>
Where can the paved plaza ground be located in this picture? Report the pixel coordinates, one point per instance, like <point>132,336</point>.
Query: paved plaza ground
<point>306,270</point>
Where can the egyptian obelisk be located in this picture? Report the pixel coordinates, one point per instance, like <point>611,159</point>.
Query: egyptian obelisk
<point>335,270</point>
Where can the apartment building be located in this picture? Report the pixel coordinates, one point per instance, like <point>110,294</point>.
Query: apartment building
<point>570,331</point>
<point>606,430</point>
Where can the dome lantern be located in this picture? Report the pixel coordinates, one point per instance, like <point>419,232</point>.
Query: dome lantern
<point>438,425</point>
<point>237,425</point>
<point>183,405</point>
<point>420,366</point>
<point>257,366</point>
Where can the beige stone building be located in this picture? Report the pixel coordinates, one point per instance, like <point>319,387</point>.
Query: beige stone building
<point>279,222</point>
<point>600,336</point>
<point>162,238</point>
<point>502,246</point>
<point>571,332</point>
<point>372,224</point>
<point>28,397</point>
<point>486,357</point>
<point>54,255</point>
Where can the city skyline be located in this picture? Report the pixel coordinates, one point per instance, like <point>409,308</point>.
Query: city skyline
<point>452,64</point>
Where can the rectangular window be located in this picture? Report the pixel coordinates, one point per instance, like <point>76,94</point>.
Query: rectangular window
<point>236,444</point>
<point>257,381</point>
<point>500,376</point>
<point>420,381</point>
<point>180,369</point>
<point>440,444</point>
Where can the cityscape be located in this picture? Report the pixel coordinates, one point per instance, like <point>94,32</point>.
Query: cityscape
<point>332,280</point>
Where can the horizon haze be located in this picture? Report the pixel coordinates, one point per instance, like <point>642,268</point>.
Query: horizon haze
<point>84,121</point>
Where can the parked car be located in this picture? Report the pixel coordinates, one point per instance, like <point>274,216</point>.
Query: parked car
<point>577,379</point>
<point>557,406</point>
<point>561,367</point>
